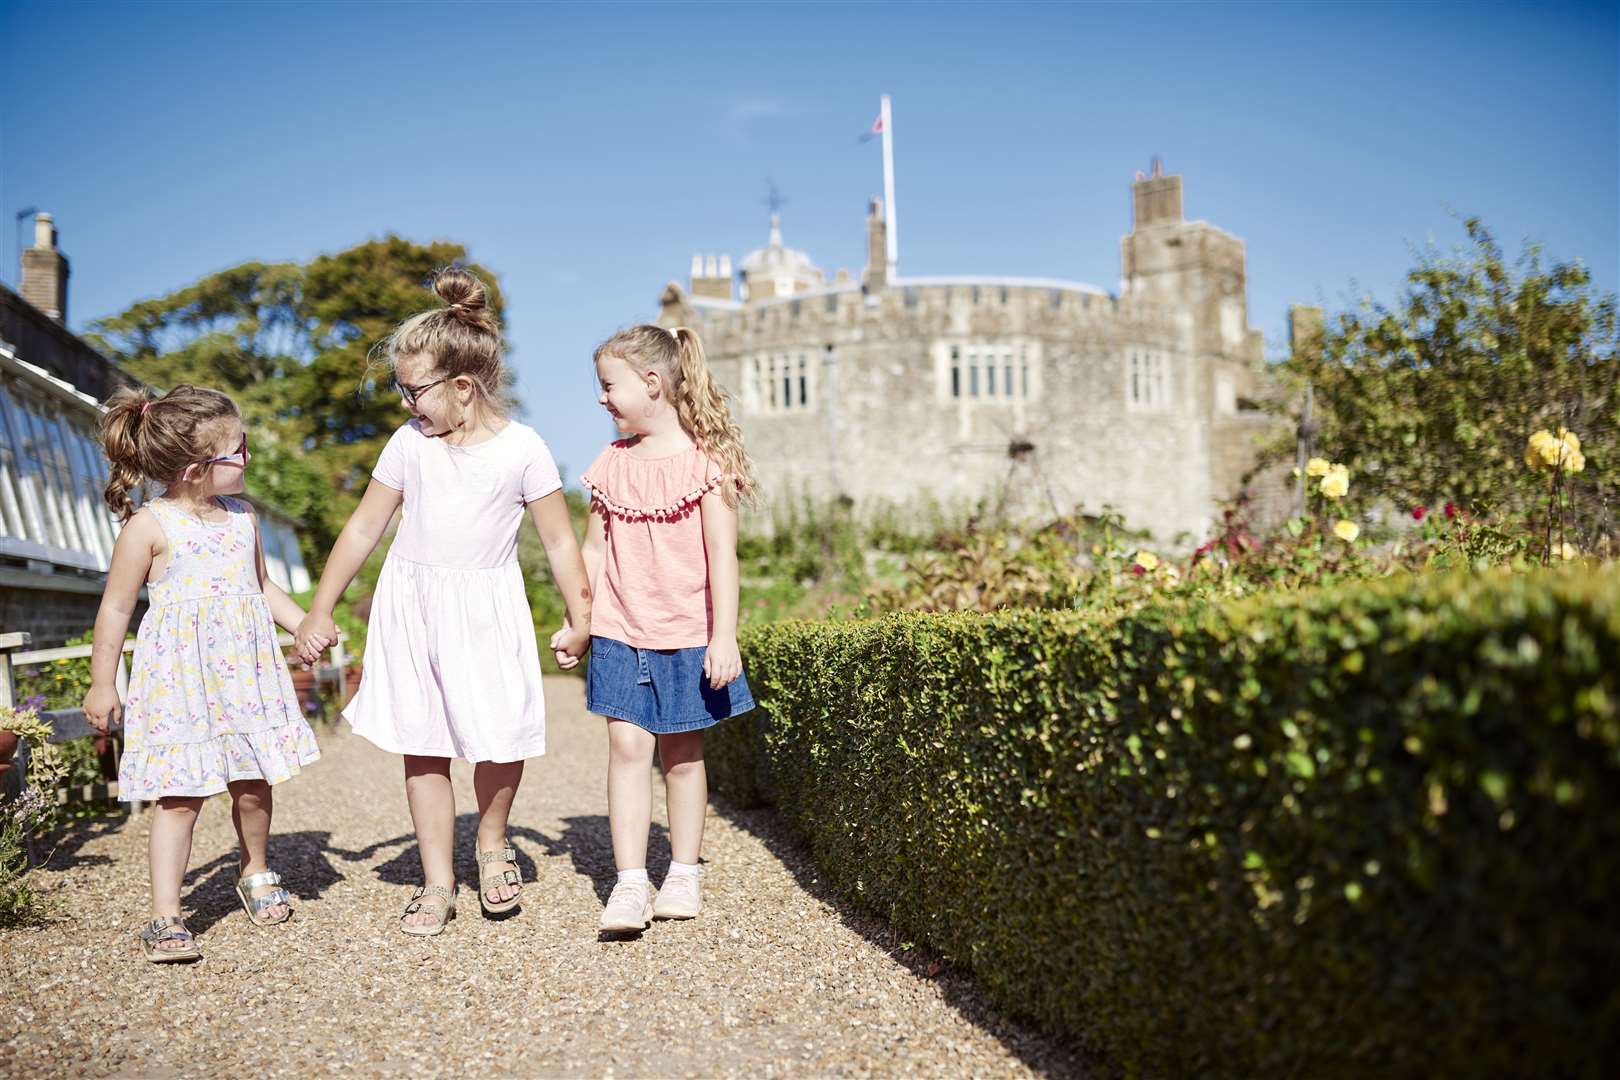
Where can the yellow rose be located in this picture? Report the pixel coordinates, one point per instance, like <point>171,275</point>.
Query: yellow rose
<point>1532,450</point>
<point>1544,450</point>
<point>1347,531</point>
<point>1147,560</point>
<point>1335,482</point>
<point>1317,466</point>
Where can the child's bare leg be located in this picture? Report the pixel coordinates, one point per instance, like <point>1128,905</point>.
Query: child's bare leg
<point>686,789</point>
<point>433,812</point>
<point>168,850</point>
<point>630,753</point>
<point>496,784</point>
<point>250,813</point>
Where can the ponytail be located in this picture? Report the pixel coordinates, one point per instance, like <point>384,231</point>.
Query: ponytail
<point>120,440</point>
<point>701,405</point>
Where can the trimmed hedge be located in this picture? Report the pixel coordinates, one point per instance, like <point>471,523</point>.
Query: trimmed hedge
<point>1369,830</point>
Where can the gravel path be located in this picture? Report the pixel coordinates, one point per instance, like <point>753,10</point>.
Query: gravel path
<point>775,979</point>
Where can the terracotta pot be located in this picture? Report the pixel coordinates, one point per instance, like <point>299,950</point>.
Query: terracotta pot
<point>351,682</point>
<point>9,741</point>
<point>303,681</point>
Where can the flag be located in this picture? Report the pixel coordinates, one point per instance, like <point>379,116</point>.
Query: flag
<point>876,130</point>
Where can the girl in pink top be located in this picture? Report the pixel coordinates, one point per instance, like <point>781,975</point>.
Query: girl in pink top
<point>661,552</point>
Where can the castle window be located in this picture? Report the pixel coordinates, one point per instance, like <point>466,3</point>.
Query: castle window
<point>956,372</point>
<point>975,294</point>
<point>973,374</point>
<point>1004,294</point>
<point>778,382</point>
<point>990,378</point>
<point>911,298</point>
<point>1147,380</point>
<point>832,303</point>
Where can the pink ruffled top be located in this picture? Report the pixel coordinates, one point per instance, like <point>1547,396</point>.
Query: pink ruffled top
<point>652,590</point>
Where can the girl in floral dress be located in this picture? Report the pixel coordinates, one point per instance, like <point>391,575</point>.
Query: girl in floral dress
<point>211,704</point>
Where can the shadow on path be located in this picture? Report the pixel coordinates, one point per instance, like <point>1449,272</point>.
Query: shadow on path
<point>1041,1052</point>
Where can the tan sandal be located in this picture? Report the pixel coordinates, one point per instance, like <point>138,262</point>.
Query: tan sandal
<point>168,928</point>
<point>507,875</point>
<point>435,900</point>
<point>257,905</point>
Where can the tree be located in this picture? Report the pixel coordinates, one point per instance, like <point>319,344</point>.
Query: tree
<point>1433,400</point>
<point>293,345</point>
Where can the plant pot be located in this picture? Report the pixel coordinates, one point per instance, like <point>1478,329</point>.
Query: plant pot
<point>9,741</point>
<point>351,682</point>
<point>303,680</point>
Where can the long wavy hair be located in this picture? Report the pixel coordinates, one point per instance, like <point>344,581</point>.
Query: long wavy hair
<point>700,402</point>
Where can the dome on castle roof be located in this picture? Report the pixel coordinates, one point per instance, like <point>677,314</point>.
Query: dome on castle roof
<point>774,258</point>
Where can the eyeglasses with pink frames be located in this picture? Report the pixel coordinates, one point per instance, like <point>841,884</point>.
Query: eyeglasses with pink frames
<point>238,458</point>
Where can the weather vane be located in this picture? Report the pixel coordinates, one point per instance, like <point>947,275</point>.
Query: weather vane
<point>775,200</point>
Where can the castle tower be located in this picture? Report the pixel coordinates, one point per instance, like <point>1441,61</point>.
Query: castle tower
<point>1188,264</point>
<point>876,274</point>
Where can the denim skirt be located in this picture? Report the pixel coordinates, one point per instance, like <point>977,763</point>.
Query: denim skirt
<point>661,690</point>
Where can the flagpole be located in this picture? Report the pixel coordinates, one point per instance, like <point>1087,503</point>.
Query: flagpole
<point>893,252</point>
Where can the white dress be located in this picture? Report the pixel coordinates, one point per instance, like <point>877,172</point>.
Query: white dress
<point>452,666</point>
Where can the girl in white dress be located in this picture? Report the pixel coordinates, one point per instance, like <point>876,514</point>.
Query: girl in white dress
<point>452,667</point>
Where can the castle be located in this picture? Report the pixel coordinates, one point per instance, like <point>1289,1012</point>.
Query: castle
<point>1025,395</point>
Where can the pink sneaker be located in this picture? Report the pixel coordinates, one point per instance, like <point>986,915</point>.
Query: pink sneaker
<point>680,898</point>
<point>629,908</point>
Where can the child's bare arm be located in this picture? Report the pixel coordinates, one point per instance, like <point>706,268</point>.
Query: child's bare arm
<point>722,662</point>
<point>283,608</point>
<point>354,546</point>
<point>551,521</point>
<point>595,547</point>
<point>139,543</point>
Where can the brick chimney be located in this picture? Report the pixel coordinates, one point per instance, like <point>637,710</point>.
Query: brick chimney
<point>45,271</point>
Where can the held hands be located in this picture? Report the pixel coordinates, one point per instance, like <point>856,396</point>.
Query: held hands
<point>315,635</point>
<point>722,661</point>
<point>569,644</point>
<point>102,707</point>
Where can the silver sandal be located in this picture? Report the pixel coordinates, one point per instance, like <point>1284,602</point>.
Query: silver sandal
<point>507,874</point>
<point>253,905</point>
<point>168,928</point>
<point>437,901</point>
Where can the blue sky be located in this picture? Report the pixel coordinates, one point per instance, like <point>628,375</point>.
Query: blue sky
<point>586,152</point>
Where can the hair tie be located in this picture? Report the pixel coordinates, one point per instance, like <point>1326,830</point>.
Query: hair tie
<point>144,406</point>
<point>675,332</point>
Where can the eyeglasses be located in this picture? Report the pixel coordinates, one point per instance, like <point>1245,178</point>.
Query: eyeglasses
<point>411,393</point>
<point>239,457</point>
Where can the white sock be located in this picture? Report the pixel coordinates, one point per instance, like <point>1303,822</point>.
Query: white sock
<point>681,868</point>
<point>633,875</point>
